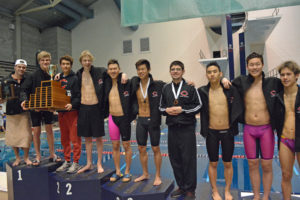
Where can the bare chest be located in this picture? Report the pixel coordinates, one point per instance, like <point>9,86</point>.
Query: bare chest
<point>289,103</point>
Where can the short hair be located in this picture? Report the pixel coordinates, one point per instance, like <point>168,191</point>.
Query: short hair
<point>291,65</point>
<point>113,61</point>
<point>255,55</point>
<point>43,54</point>
<point>177,62</point>
<point>213,64</point>
<point>142,62</point>
<point>86,53</point>
<point>66,57</point>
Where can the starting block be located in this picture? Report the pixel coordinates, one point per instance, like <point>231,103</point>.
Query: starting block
<point>29,182</point>
<point>143,190</point>
<point>87,185</point>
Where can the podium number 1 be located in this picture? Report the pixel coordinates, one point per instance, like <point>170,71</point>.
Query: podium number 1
<point>20,175</point>
<point>57,183</point>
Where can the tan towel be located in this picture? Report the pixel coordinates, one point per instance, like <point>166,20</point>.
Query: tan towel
<point>18,130</point>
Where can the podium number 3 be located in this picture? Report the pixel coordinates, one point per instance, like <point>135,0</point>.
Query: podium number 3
<point>20,175</point>
<point>68,185</point>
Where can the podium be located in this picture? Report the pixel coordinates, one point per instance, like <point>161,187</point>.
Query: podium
<point>87,185</point>
<point>29,182</point>
<point>203,191</point>
<point>143,190</point>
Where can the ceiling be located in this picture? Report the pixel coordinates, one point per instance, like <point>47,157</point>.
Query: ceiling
<point>49,13</point>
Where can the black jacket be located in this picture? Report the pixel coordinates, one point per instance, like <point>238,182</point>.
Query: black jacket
<point>280,117</point>
<point>124,93</point>
<point>154,94</point>
<point>70,84</point>
<point>98,75</point>
<point>33,81</point>
<point>13,106</point>
<point>271,86</point>
<point>235,108</point>
<point>189,100</point>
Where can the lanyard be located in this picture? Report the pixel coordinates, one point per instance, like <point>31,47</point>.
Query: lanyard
<point>176,95</point>
<point>145,94</point>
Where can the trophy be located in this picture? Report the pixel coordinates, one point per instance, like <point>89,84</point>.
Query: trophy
<point>7,90</point>
<point>52,70</point>
<point>50,96</point>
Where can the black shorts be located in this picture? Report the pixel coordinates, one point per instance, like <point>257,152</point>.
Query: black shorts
<point>43,116</point>
<point>142,129</point>
<point>90,121</point>
<point>124,126</point>
<point>213,140</point>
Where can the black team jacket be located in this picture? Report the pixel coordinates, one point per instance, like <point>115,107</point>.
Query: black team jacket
<point>70,84</point>
<point>280,117</point>
<point>13,106</point>
<point>124,93</point>
<point>98,75</point>
<point>271,86</point>
<point>188,99</point>
<point>154,94</point>
<point>31,82</point>
<point>235,108</point>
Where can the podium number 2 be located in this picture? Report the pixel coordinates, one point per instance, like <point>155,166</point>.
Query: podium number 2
<point>20,175</point>
<point>69,186</point>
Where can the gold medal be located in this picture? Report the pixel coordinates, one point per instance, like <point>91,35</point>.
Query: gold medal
<point>176,102</point>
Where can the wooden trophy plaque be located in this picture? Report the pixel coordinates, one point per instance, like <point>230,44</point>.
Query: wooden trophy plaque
<point>50,96</point>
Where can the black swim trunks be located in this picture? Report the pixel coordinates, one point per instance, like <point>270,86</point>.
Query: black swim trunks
<point>90,121</point>
<point>142,130</point>
<point>213,140</point>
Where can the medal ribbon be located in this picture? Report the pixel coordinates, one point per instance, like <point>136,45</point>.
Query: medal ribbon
<point>141,87</point>
<point>176,95</point>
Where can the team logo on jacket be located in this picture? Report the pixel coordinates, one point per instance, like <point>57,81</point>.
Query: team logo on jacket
<point>126,93</point>
<point>100,81</point>
<point>64,83</point>
<point>184,93</point>
<point>231,99</point>
<point>154,94</point>
<point>298,110</point>
<point>273,93</point>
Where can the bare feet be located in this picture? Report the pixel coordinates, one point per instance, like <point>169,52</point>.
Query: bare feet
<point>265,197</point>
<point>17,162</point>
<point>141,178</point>
<point>228,196</point>
<point>27,161</point>
<point>36,161</point>
<point>100,168</point>
<point>157,181</point>
<point>85,168</point>
<point>216,196</point>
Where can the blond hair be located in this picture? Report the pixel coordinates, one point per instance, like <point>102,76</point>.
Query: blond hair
<point>43,54</point>
<point>86,53</point>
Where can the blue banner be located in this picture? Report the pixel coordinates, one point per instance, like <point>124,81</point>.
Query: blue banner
<point>242,53</point>
<point>230,47</point>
